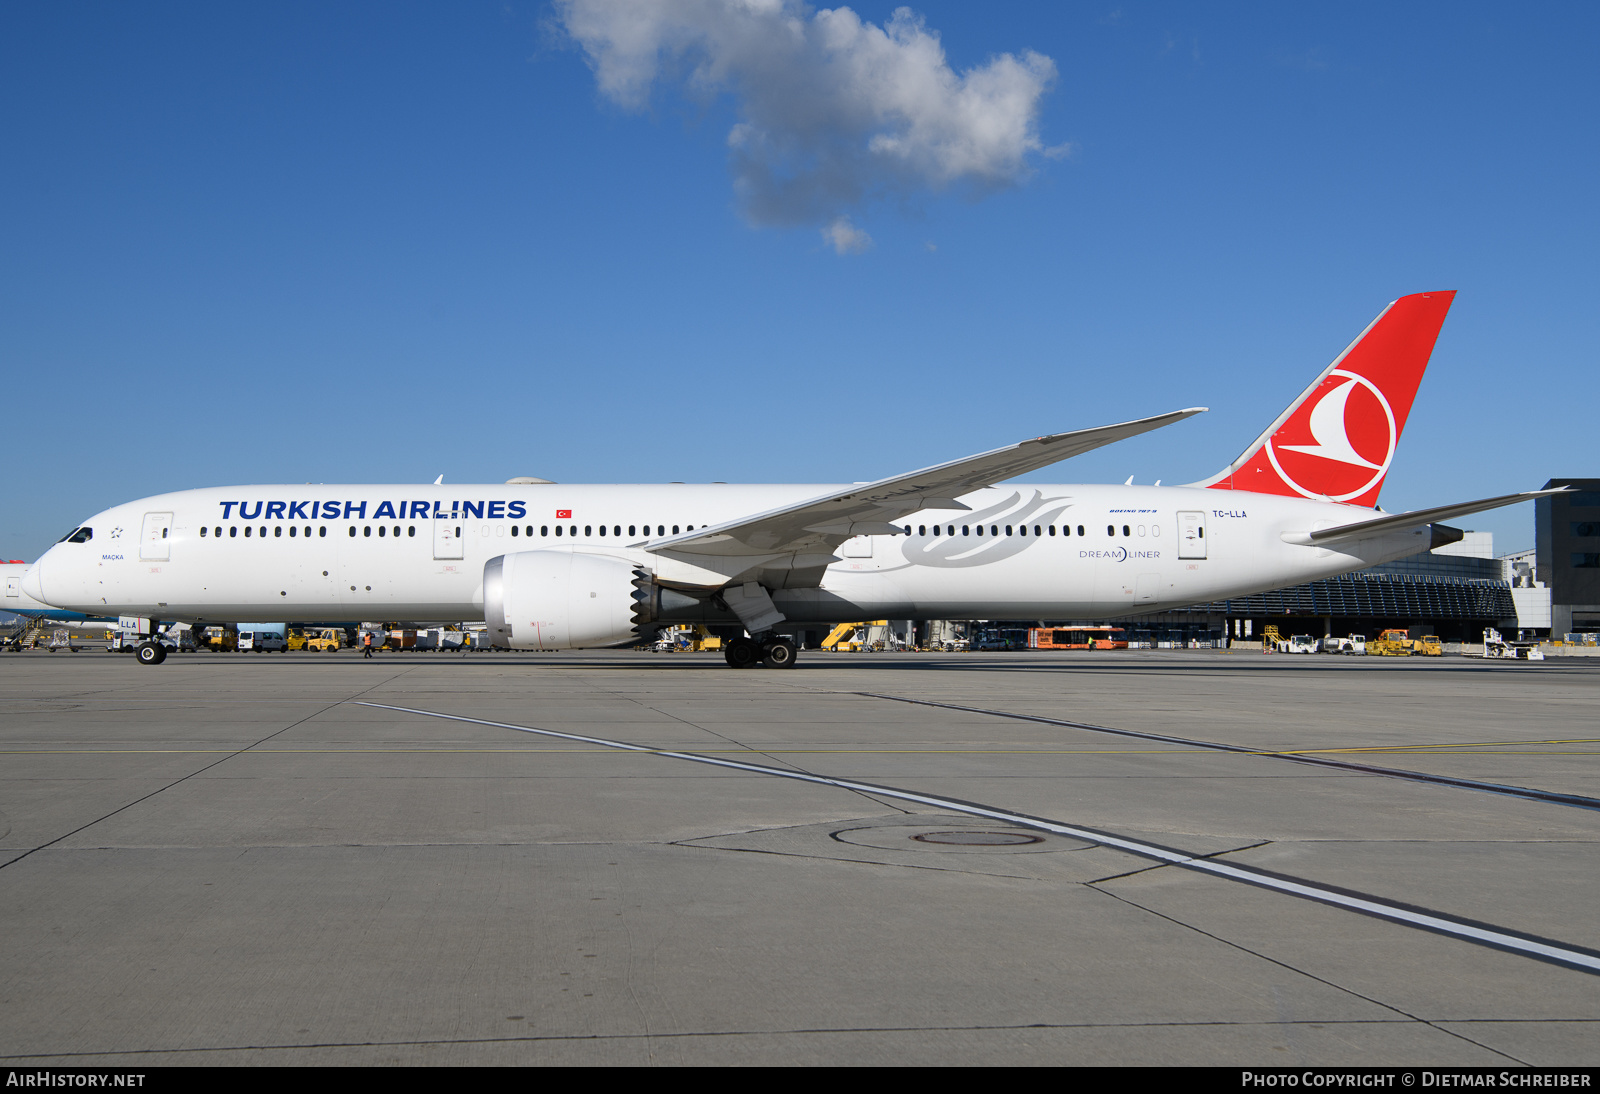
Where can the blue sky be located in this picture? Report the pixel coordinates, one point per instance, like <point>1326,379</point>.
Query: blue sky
<point>381,242</point>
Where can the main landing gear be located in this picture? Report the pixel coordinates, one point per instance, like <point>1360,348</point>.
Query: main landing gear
<point>747,653</point>
<point>150,653</point>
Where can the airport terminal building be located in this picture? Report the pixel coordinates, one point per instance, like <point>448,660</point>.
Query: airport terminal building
<point>1455,592</point>
<point>1567,554</point>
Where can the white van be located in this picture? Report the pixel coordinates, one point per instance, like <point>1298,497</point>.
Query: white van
<point>262,642</point>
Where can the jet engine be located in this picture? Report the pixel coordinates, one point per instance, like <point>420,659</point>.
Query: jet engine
<point>568,600</point>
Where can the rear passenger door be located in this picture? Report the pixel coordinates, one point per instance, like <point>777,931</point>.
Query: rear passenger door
<point>1191,534</point>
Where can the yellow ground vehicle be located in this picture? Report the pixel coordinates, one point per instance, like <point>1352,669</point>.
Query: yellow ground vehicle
<point>324,639</point>
<point>220,639</point>
<point>1394,643</point>
<point>296,640</point>
<point>855,637</point>
<point>702,639</point>
<point>1429,645</point>
<point>846,638</point>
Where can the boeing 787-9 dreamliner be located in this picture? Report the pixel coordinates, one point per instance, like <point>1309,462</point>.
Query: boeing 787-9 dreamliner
<point>553,567</point>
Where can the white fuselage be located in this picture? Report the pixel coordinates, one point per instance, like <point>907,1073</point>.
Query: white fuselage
<point>348,553</point>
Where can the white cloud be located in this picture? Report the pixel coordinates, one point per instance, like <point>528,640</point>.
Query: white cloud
<point>845,237</point>
<point>833,110</point>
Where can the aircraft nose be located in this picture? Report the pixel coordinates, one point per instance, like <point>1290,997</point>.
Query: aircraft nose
<point>33,580</point>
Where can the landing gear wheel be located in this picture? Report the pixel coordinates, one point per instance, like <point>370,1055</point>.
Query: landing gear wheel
<point>779,654</point>
<point>150,653</point>
<point>742,653</point>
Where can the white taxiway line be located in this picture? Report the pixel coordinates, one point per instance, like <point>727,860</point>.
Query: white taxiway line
<point>1482,934</point>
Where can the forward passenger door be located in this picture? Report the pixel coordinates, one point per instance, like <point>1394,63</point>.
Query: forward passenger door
<point>447,541</point>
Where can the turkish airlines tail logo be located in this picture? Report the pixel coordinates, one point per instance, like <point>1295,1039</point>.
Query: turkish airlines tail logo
<point>1337,440</point>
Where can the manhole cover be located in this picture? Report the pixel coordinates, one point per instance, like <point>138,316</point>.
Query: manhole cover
<point>978,839</point>
<point>945,836</point>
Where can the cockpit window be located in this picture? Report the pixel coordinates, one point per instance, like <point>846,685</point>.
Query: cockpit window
<point>77,535</point>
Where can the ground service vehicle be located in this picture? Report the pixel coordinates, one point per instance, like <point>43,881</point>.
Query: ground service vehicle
<point>324,639</point>
<point>1077,638</point>
<point>1495,646</point>
<point>1393,643</point>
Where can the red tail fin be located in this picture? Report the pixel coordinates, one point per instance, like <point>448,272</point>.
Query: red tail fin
<point>1337,439</point>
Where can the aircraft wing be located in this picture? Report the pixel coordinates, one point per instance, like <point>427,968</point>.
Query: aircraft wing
<point>1400,522</point>
<point>823,523</point>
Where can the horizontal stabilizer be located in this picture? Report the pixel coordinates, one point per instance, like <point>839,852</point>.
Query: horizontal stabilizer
<point>1401,522</point>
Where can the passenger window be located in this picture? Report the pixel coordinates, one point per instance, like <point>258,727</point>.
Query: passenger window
<point>1124,529</point>
<point>631,528</point>
<point>544,529</point>
<point>322,532</point>
<point>352,531</point>
<point>1111,529</point>
<point>661,529</point>
<point>980,529</point>
<point>1052,529</point>
<point>233,531</point>
<point>202,533</point>
<point>246,531</point>
<point>966,529</point>
<point>617,530</point>
<point>396,531</point>
<point>1008,529</point>
<point>558,531</point>
<point>588,529</point>
<point>1080,529</point>
<point>291,531</point>
<point>367,531</point>
<point>922,530</point>
<point>674,529</point>
<point>380,531</point>
<point>513,529</point>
